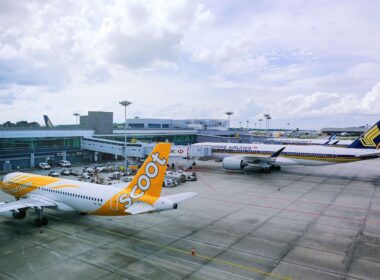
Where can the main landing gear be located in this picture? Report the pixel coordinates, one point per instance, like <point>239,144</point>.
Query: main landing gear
<point>275,167</point>
<point>40,220</point>
<point>268,170</point>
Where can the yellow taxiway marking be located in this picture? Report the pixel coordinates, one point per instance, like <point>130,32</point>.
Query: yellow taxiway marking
<point>173,249</point>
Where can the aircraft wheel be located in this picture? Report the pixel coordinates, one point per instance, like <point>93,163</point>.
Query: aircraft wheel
<point>44,221</point>
<point>267,171</point>
<point>38,222</point>
<point>278,167</point>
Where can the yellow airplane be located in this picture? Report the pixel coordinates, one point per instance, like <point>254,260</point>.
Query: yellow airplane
<point>142,195</point>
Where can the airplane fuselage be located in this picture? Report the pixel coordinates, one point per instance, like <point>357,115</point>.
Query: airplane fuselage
<point>317,142</point>
<point>69,195</point>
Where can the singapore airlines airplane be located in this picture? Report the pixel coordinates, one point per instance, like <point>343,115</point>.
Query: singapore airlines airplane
<point>331,141</point>
<point>267,156</point>
<point>142,195</point>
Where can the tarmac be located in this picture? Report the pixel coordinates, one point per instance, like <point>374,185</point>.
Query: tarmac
<point>296,223</point>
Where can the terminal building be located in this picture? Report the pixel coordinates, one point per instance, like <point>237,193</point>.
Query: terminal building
<point>346,131</point>
<point>96,138</point>
<point>199,124</point>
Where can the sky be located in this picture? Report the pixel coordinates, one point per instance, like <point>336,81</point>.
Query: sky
<point>311,63</point>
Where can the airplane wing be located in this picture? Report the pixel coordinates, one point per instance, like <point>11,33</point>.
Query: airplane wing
<point>25,203</point>
<point>181,196</point>
<point>263,159</point>
<point>369,156</point>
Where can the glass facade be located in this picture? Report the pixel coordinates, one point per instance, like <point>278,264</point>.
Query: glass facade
<point>15,144</point>
<point>177,139</point>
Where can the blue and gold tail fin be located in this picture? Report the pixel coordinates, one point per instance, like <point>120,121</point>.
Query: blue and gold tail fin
<point>48,122</point>
<point>332,137</point>
<point>369,139</point>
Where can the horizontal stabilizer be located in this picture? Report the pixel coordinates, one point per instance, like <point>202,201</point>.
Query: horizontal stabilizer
<point>181,196</point>
<point>139,208</point>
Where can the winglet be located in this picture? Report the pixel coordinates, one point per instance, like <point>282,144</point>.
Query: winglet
<point>276,154</point>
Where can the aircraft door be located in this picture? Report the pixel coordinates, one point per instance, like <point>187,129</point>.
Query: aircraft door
<point>114,205</point>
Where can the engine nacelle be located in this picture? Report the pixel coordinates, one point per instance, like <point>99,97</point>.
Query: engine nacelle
<point>232,163</point>
<point>21,214</point>
<point>163,204</point>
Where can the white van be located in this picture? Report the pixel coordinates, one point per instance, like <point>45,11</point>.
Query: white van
<point>65,163</point>
<point>44,165</point>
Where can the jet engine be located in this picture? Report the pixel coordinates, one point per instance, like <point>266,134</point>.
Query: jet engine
<point>232,163</point>
<point>17,215</point>
<point>163,204</point>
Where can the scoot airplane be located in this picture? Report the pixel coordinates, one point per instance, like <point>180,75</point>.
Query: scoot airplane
<point>267,156</point>
<point>142,195</point>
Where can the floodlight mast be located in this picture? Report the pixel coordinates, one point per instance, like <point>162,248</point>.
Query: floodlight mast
<point>260,120</point>
<point>229,125</point>
<point>267,118</point>
<point>125,103</point>
<point>76,117</point>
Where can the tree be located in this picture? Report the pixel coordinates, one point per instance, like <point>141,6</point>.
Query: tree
<point>8,124</point>
<point>34,124</point>
<point>22,124</point>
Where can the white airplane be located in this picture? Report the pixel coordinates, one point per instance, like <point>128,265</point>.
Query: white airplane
<point>267,156</point>
<point>331,141</point>
<point>142,195</point>
<point>299,141</point>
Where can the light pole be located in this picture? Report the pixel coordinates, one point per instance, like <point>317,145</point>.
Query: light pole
<point>267,117</point>
<point>125,103</point>
<point>260,120</point>
<point>241,128</point>
<point>288,127</point>
<point>247,125</point>
<point>76,117</point>
<point>229,124</point>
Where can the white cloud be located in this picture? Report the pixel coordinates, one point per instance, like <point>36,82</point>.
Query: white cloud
<point>324,104</point>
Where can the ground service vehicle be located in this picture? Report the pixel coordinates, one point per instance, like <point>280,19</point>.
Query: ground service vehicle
<point>44,165</point>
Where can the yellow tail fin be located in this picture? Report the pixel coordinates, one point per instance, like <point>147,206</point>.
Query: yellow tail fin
<point>146,186</point>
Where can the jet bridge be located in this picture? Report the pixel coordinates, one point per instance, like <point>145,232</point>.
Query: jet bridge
<point>137,150</point>
<point>198,151</point>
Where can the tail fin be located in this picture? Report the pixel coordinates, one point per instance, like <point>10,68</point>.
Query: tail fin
<point>48,123</point>
<point>369,139</point>
<point>146,186</point>
<point>332,137</point>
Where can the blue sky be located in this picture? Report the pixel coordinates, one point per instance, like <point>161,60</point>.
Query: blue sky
<point>311,63</point>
